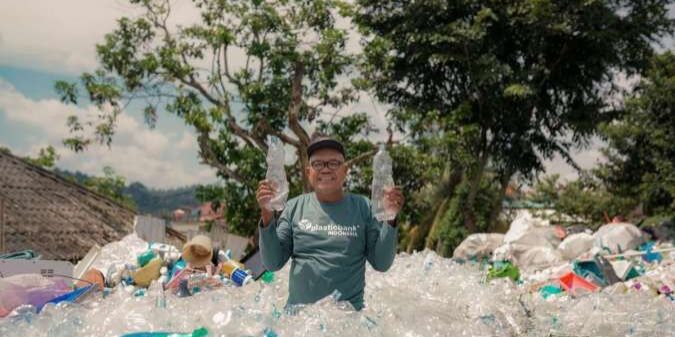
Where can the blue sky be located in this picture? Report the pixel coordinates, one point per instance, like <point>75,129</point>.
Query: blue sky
<point>45,41</point>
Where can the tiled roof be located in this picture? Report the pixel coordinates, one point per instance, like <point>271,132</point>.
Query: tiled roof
<point>57,218</point>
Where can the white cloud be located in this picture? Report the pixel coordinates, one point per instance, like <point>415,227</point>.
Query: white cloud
<point>61,36</point>
<point>137,153</point>
<point>187,142</point>
<point>48,112</point>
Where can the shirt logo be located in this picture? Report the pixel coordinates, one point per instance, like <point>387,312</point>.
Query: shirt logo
<point>330,229</point>
<point>305,225</point>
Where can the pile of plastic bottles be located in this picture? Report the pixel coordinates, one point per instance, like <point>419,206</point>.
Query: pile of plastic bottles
<point>421,295</point>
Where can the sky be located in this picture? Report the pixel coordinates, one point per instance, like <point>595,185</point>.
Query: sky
<point>45,41</point>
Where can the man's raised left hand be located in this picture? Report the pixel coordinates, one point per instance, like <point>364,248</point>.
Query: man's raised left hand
<point>393,199</point>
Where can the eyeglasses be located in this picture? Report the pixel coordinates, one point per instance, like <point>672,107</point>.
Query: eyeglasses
<point>331,164</point>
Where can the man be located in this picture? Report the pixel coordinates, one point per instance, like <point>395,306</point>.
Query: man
<point>329,233</point>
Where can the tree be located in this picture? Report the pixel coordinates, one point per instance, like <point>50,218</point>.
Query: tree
<point>247,70</point>
<point>450,229</point>
<point>500,85</point>
<point>641,151</point>
<point>110,185</point>
<point>586,199</point>
<point>46,158</point>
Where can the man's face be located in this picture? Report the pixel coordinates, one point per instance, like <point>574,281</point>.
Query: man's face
<point>326,170</point>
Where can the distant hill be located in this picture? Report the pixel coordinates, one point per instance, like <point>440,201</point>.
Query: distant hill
<point>158,202</point>
<point>161,202</point>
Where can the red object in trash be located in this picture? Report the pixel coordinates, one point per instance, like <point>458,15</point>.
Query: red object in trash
<point>574,284</point>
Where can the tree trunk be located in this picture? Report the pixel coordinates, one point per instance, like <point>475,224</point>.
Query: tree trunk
<point>435,224</point>
<point>303,162</point>
<point>497,203</point>
<point>476,177</point>
<point>429,228</point>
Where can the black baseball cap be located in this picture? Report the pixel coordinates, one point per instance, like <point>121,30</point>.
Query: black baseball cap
<point>324,142</point>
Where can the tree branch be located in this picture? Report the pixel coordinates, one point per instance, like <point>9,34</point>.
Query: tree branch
<point>209,157</point>
<point>361,157</point>
<point>296,103</point>
<point>266,127</point>
<point>220,71</point>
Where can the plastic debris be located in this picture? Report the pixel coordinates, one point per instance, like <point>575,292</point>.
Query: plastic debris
<point>589,270</point>
<point>575,245</point>
<point>618,237</point>
<point>267,277</point>
<point>530,243</point>
<point>198,251</point>
<point>549,290</point>
<point>201,332</point>
<point>503,269</point>
<point>650,256</point>
<point>599,270</point>
<point>477,246</point>
<point>419,296</point>
<point>145,257</point>
<point>576,285</point>
<point>71,296</point>
<point>143,276</point>
<point>27,254</point>
<point>625,270</point>
<point>31,289</point>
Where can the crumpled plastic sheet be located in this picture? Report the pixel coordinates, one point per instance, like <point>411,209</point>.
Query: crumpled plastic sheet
<point>421,295</point>
<point>120,252</point>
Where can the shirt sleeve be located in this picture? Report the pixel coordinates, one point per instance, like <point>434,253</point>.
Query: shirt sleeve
<point>381,242</point>
<point>276,242</point>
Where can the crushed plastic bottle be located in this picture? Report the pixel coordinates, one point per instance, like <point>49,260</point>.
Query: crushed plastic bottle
<point>276,174</point>
<point>382,180</point>
<point>156,291</point>
<point>428,262</point>
<point>183,290</point>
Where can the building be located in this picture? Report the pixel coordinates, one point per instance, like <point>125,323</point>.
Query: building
<point>203,219</point>
<point>57,218</point>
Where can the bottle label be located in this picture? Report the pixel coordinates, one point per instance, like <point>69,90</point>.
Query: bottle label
<point>239,277</point>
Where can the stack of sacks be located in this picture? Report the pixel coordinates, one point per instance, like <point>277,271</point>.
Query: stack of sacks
<point>477,246</point>
<point>575,245</point>
<point>618,237</point>
<point>530,243</point>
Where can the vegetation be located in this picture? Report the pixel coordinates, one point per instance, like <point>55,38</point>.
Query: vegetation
<point>158,202</point>
<point>639,171</point>
<point>484,91</point>
<point>497,87</point>
<point>46,158</point>
<point>641,144</point>
<point>247,70</point>
<point>585,200</point>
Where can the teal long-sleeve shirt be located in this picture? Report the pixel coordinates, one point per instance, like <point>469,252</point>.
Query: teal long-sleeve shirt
<point>329,244</point>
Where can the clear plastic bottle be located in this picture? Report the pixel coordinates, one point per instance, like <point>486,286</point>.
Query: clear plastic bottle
<point>156,291</point>
<point>428,262</point>
<point>276,173</point>
<point>382,180</point>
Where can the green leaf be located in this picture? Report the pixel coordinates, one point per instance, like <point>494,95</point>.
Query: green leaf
<point>517,91</point>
